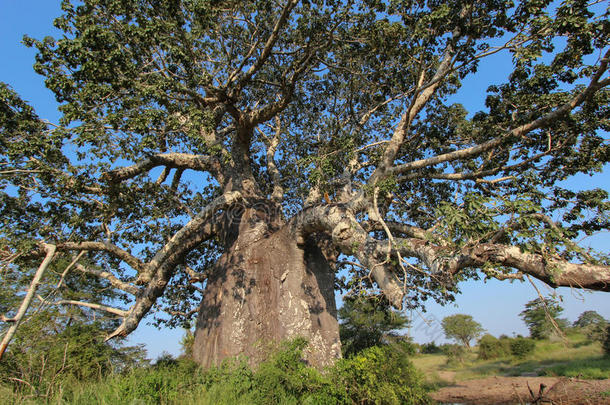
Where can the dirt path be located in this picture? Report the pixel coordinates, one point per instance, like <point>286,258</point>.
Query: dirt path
<point>514,390</point>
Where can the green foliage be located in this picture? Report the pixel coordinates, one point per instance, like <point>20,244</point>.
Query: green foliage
<point>590,369</point>
<point>366,322</point>
<point>187,342</point>
<point>374,376</point>
<point>380,375</point>
<point>462,328</point>
<point>456,354</point>
<point>430,348</point>
<point>606,342</point>
<point>46,357</point>
<point>161,383</point>
<point>209,80</point>
<point>491,347</point>
<point>542,316</point>
<point>521,347</point>
<point>593,325</point>
<point>589,318</point>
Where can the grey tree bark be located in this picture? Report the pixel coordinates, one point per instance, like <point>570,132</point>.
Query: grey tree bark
<point>267,288</point>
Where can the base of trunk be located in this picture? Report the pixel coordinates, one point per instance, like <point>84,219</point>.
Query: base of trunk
<point>265,291</point>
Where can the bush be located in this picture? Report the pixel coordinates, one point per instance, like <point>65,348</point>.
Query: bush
<point>606,342</point>
<point>491,348</point>
<point>380,375</point>
<point>282,379</point>
<point>521,347</point>
<point>430,348</point>
<point>455,354</point>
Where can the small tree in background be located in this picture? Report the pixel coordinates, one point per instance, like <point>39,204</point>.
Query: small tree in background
<point>461,328</point>
<point>542,318</point>
<point>367,322</point>
<point>593,325</point>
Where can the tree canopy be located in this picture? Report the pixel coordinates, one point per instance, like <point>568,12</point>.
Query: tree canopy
<point>462,328</point>
<point>334,116</point>
<point>366,322</point>
<point>542,317</point>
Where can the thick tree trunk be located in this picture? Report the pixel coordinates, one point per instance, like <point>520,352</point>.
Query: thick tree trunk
<point>266,289</point>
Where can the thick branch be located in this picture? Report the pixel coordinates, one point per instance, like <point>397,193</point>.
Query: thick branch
<point>159,269</point>
<point>522,130</point>
<point>169,160</point>
<point>554,272</point>
<point>351,239</point>
<point>396,227</point>
<point>274,173</point>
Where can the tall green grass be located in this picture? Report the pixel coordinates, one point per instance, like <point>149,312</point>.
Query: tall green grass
<point>378,375</point>
<point>580,358</point>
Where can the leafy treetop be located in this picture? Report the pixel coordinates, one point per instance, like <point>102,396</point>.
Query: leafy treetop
<point>175,113</point>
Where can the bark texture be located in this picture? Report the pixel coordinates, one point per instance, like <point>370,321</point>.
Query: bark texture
<point>266,289</point>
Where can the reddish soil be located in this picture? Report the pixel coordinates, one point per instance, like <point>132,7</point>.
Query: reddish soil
<point>514,390</point>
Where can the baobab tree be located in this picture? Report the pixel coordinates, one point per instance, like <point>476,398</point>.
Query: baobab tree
<point>226,159</point>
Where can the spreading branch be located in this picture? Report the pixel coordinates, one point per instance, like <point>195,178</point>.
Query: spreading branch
<point>25,304</point>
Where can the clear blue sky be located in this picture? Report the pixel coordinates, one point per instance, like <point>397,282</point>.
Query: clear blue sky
<point>494,304</point>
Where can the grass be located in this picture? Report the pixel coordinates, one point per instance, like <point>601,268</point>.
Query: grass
<point>581,359</point>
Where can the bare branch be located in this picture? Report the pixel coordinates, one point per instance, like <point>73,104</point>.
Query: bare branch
<point>273,37</point>
<point>114,281</point>
<point>159,269</point>
<point>522,130</point>
<point>25,304</point>
<point>68,267</point>
<point>115,311</point>
<point>108,247</point>
<point>553,271</point>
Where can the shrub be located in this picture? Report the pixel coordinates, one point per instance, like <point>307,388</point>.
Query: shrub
<point>455,353</point>
<point>430,348</point>
<point>380,375</point>
<point>282,379</point>
<point>521,347</point>
<point>491,348</point>
<point>606,342</point>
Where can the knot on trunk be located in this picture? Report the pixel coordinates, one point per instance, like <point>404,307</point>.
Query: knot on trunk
<point>342,231</point>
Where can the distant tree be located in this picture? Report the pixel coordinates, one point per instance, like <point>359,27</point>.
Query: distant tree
<point>542,317</point>
<point>593,325</point>
<point>589,318</point>
<point>461,328</point>
<point>366,322</point>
